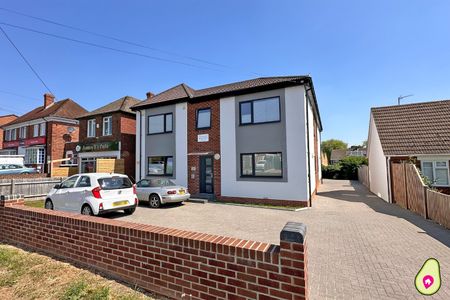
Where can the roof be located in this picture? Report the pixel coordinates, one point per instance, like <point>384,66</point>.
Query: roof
<point>338,154</point>
<point>410,129</point>
<point>183,92</point>
<point>7,119</point>
<point>67,108</point>
<point>120,105</point>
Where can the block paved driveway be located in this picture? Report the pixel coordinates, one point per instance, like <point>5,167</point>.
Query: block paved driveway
<point>360,247</point>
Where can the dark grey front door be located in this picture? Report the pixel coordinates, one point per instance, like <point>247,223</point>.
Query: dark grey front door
<point>206,174</point>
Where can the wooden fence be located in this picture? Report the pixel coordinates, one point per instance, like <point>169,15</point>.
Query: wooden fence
<point>363,175</point>
<point>106,165</point>
<point>64,171</point>
<point>409,191</point>
<point>29,187</point>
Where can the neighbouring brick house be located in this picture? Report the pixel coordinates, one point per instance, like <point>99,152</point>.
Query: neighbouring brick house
<point>251,141</point>
<point>42,133</point>
<point>5,120</point>
<point>108,132</point>
<point>416,132</point>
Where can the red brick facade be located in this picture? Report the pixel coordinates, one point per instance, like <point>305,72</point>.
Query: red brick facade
<point>174,263</point>
<point>211,147</point>
<point>123,130</point>
<point>57,137</point>
<point>5,120</point>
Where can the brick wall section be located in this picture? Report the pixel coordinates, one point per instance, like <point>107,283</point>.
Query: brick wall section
<point>5,120</point>
<point>58,136</point>
<point>212,146</point>
<point>169,262</point>
<point>16,176</point>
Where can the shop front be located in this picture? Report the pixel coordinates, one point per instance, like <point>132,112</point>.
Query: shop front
<point>33,150</point>
<point>89,153</point>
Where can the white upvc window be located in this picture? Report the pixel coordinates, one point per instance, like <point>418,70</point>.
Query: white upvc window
<point>34,155</point>
<point>91,128</point>
<point>107,125</point>
<point>42,129</point>
<point>23,132</point>
<point>7,135</point>
<point>35,130</point>
<point>13,134</point>
<point>437,172</point>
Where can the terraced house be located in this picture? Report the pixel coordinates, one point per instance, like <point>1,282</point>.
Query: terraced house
<point>251,141</point>
<point>41,134</point>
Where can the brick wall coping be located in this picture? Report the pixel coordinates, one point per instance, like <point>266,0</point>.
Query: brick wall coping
<point>129,231</point>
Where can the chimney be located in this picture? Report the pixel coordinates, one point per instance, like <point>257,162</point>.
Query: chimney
<point>48,100</point>
<point>149,95</point>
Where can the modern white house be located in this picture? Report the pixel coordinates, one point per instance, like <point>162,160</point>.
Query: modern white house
<point>251,141</point>
<point>417,133</point>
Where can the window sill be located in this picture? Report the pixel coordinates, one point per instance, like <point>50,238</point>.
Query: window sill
<point>270,122</point>
<point>157,133</point>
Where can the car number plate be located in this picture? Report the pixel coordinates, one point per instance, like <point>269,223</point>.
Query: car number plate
<point>120,203</point>
<point>181,192</point>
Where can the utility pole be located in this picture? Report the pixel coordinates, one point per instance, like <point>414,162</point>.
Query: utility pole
<point>402,97</point>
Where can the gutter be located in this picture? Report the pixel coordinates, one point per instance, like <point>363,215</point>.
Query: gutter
<point>308,149</point>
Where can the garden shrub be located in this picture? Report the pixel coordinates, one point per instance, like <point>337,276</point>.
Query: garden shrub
<point>347,168</point>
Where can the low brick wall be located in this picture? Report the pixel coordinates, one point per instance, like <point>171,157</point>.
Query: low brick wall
<point>174,263</point>
<point>14,176</point>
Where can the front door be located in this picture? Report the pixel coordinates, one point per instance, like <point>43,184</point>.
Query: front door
<point>206,174</point>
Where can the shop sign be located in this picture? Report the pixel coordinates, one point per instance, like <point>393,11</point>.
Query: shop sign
<point>98,147</point>
<point>35,141</point>
<point>201,138</point>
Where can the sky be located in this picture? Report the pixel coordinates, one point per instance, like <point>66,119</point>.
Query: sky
<point>360,54</point>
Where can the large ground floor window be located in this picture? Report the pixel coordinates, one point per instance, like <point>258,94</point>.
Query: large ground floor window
<point>160,165</point>
<point>34,155</point>
<point>436,171</point>
<point>261,165</point>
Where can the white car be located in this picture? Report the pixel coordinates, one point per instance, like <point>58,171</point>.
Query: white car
<point>94,194</point>
<point>160,191</point>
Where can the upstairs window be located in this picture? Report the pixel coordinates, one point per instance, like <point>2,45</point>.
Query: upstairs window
<point>160,123</point>
<point>204,118</point>
<point>107,125</point>
<point>13,134</point>
<point>91,128</point>
<point>42,129</point>
<point>436,171</point>
<point>36,130</point>
<point>8,135</point>
<point>23,132</point>
<point>260,111</point>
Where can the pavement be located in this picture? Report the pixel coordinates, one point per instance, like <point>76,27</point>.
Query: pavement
<point>360,247</point>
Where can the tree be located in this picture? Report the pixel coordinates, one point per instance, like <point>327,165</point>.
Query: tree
<point>329,145</point>
<point>364,144</point>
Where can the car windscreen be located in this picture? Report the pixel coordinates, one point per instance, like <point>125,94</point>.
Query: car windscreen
<point>115,183</point>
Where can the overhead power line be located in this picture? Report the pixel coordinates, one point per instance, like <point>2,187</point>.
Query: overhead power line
<point>107,47</point>
<point>18,95</point>
<point>112,38</point>
<point>25,60</point>
<point>121,40</point>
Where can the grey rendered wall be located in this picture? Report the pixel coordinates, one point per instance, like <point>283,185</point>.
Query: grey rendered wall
<point>270,137</point>
<point>160,144</point>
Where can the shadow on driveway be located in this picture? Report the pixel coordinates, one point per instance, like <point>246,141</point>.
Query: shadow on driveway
<point>363,195</point>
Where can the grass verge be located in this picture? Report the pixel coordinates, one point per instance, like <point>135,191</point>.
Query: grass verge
<point>27,275</point>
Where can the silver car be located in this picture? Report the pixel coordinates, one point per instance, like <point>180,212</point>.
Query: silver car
<point>159,191</point>
<point>15,169</point>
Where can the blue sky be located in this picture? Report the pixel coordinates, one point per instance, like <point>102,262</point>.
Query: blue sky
<point>359,53</point>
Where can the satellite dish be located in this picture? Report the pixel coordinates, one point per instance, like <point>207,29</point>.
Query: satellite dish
<point>70,129</point>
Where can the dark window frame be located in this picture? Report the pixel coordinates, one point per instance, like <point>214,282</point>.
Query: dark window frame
<point>252,122</point>
<point>196,118</point>
<point>254,165</point>
<point>165,165</point>
<point>165,123</point>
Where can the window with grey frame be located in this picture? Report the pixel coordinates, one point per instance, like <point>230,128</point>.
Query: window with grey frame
<point>262,165</point>
<point>259,111</point>
<point>160,165</point>
<point>162,123</point>
<point>203,118</point>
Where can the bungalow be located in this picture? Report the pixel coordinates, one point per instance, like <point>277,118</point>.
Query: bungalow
<point>251,141</point>
<point>413,132</point>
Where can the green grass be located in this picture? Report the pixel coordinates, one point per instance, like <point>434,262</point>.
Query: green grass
<point>26,275</point>
<point>35,203</point>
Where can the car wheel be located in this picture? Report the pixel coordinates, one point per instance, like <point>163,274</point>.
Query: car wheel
<point>87,210</point>
<point>26,173</point>
<point>48,204</point>
<point>155,202</point>
<point>129,211</point>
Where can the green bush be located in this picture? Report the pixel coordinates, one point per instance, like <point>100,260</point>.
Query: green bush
<point>347,168</point>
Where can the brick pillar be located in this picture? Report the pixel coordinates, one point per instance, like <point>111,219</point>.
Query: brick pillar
<point>11,200</point>
<point>293,259</point>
